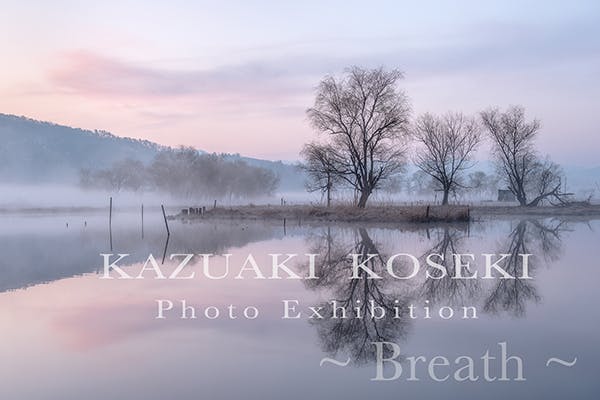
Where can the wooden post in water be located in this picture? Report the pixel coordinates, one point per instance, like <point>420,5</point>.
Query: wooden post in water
<point>215,204</point>
<point>165,217</point>
<point>468,222</point>
<point>165,251</point>
<point>284,227</point>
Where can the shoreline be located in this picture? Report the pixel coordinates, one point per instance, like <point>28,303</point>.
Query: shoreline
<point>374,214</point>
<point>420,214</point>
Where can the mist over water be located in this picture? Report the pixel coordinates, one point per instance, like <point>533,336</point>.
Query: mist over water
<point>88,321</point>
<point>18,197</point>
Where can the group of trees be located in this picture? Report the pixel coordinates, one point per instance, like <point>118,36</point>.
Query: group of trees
<point>185,172</point>
<point>365,119</point>
<point>476,183</point>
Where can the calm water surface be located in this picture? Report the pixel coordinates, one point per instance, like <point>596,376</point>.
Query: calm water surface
<point>66,334</point>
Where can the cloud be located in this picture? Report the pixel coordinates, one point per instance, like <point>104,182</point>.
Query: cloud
<point>491,47</point>
<point>264,92</point>
<point>88,73</point>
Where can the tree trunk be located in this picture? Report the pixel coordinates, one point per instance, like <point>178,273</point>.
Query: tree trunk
<point>445,199</point>
<point>520,195</point>
<point>364,196</point>
<point>328,189</point>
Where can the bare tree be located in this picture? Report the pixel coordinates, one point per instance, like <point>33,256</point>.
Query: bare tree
<point>482,184</point>
<point>127,174</point>
<point>366,118</point>
<point>419,183</point>
<point>446,146</point>
<point>547,183</point>
<point>526,175</point>
<point>320,167</point>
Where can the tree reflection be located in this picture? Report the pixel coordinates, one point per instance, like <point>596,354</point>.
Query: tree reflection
<point>528,237</point>
<point>440,288</point>
<point>354,335</point>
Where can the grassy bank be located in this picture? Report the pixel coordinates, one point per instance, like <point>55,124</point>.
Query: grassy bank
<point>386,214</point>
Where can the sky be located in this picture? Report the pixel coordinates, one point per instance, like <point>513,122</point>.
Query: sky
<point>238,76</point>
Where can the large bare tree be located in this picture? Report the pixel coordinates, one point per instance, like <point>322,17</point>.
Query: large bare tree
<point>365,116</point>
<point>446,145</point>
<point>529,178</point>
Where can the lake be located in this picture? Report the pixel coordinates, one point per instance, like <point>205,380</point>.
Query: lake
<point>67,334</point>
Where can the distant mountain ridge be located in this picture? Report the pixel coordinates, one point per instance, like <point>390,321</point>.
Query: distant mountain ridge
<point>34,152</point>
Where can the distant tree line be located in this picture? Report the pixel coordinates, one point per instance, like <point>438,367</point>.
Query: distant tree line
<point>476,183</point>
<point>367,135</point>
<point>185,172</point>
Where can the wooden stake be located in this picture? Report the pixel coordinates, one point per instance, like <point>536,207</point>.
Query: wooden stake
<point>165,251</point>
<point>165,217</point>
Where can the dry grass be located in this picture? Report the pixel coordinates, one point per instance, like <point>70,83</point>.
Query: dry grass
<point>392,213</point>
<point>383,214</point>
<point>582,210</point>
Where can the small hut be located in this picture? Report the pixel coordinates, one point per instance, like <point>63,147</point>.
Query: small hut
<point>506,195</point>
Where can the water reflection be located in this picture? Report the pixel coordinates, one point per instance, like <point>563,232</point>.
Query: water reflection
<point>39,254</point>
<point>354,335</point>
<point>536,237</point>
<point>441,288</point>
<point>75,323</point>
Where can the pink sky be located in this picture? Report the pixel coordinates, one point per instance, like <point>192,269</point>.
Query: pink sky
<point>238,78</point>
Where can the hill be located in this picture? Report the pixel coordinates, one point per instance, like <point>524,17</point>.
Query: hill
<point>34,152</point>
<point>42,152</point>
